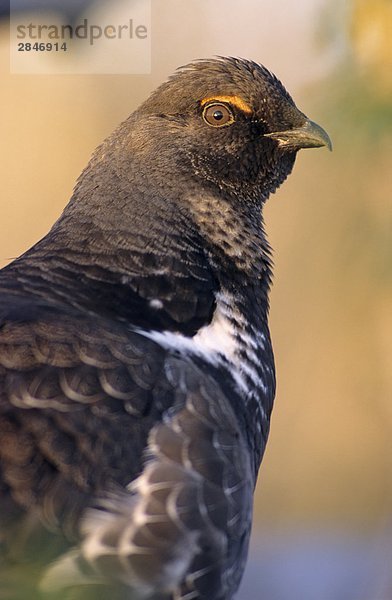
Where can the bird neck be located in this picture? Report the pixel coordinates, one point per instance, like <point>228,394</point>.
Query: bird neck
<point>116,249</point>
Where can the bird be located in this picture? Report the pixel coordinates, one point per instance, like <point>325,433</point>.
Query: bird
<point>137,374</point>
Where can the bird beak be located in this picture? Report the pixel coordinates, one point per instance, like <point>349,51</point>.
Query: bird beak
<point>309,135</point>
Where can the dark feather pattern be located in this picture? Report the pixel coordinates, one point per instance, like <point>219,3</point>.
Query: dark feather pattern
<point>136,368</point>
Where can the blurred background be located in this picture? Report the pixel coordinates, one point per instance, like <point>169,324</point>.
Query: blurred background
<point>323,505</point>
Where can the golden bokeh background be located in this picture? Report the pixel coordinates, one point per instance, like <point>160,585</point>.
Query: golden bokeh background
<point>329,458</point>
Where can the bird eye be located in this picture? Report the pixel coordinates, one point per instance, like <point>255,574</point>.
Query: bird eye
<point>218,115</point>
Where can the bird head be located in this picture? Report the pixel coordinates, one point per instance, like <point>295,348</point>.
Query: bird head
<point>226,123</point>
<point>169,207</point>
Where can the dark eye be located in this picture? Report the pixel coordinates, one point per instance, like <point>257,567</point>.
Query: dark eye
<point>218,115</point>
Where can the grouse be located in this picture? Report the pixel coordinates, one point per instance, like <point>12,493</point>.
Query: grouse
<point>136,369</point>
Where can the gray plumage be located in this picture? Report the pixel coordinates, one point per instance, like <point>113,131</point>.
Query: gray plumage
<point>136,368</point>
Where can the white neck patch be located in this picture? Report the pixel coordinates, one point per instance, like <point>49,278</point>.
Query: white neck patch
<point>221,341</point>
